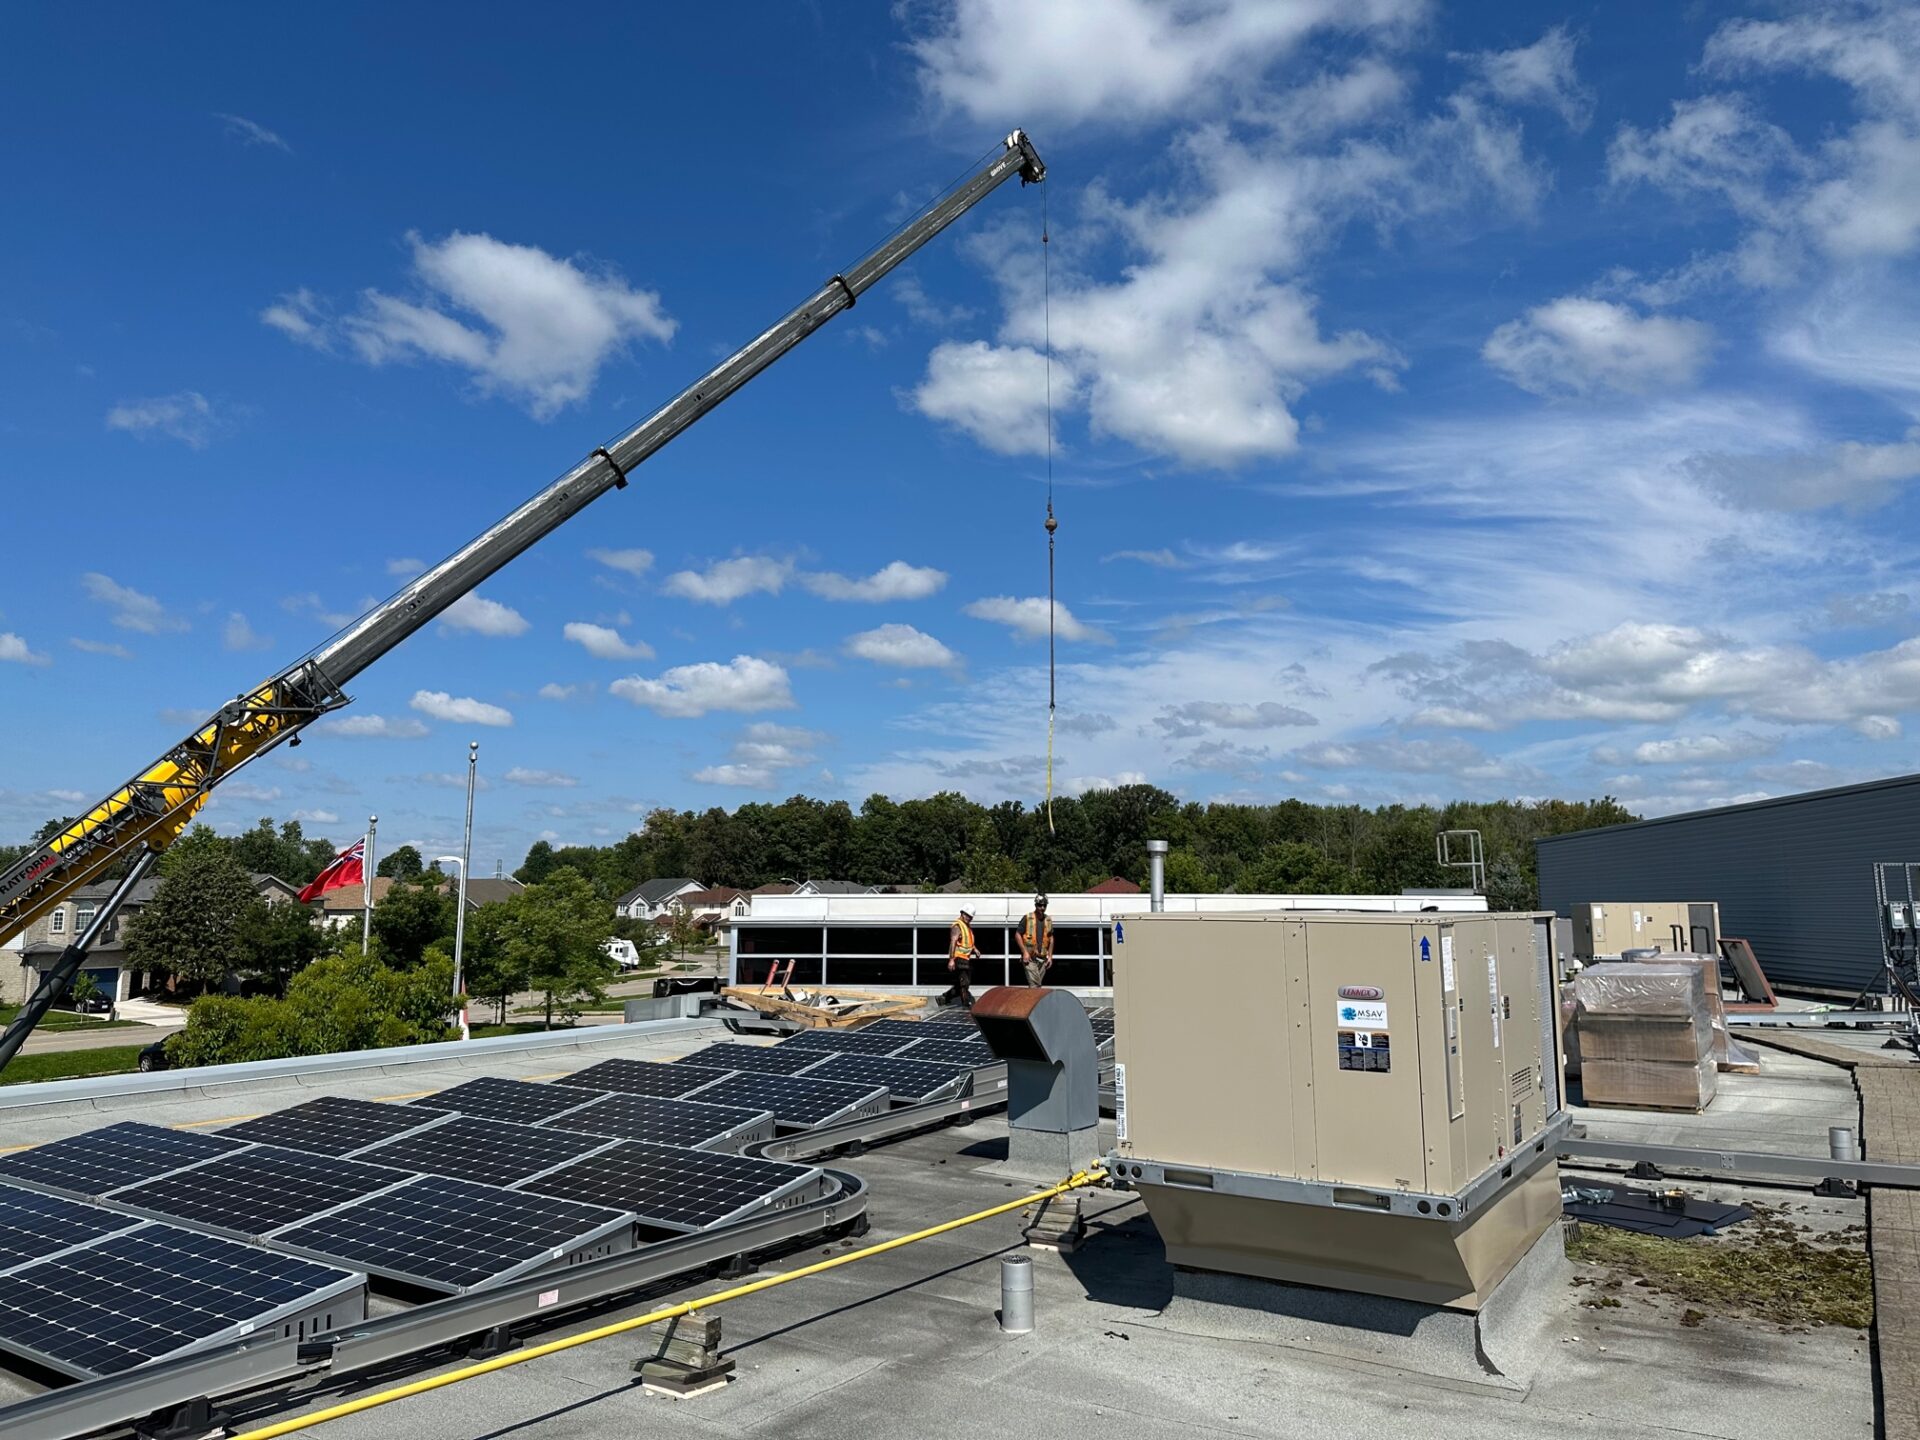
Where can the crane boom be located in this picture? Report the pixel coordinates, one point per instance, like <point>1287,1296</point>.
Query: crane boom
<point>150,811</point>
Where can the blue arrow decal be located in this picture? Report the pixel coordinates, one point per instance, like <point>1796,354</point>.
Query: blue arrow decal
<point>1426,948</point>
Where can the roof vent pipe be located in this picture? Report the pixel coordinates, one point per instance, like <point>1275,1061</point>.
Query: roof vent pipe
<point>1157,874</point>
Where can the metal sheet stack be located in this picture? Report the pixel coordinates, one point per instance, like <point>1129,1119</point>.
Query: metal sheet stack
<point>1646,1036</point>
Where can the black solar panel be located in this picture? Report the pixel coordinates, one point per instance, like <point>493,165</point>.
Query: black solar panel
<point>257,1189</point>
<point>761,1059</point>
<point>678,1189</point>
<point>667,1122</point>
<point>793,1099</point>
<point>34,1226</point>
<point>905,1029</point>
<point>330,1125</point>
<point>498,1099</point>
<point>974,1053</point>
<point>957,1016</point>
<point>1102,1027</point>
<point>850,1042</point>
<point>491,1152</point>
<point>909,1080</point>
<point>151,1292</point>
<point>100,1160</point>
<point>454,1235</point>
<point>641,1077</point>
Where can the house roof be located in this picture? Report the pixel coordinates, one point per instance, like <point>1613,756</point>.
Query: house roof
<point>718,895</point>
<point>778,887</point>
<point>657,892</point>
<point>101,889</point>
<point>352,897</point>
<point>489,890</point>
<point>837,887</point>
<point>1113,885</point>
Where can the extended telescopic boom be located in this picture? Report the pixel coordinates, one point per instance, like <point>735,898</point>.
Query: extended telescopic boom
<point>150,811</point>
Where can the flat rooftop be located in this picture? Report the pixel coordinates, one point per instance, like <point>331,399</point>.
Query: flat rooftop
<point>907,1342</point>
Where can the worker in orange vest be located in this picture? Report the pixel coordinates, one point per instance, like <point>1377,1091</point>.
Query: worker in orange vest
<point>960,953</point>
<point>1035,937</point>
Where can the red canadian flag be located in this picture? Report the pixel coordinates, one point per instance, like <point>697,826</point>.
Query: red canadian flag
<point>346,868</point>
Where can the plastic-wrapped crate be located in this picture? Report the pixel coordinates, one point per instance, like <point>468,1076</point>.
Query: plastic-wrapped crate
<point>1649,1084</point>
<point>1646,988</point>
<point>1728,1053</point>
<point>1685,1039</point>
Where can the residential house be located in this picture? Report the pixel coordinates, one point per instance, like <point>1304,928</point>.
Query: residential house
<point>491,890</point>
<point>348,904</point>
<point>649,899</point>
<point>715,909</point>
<point>44,941</point>
<point>816,887</point>
<point>1113,886</point>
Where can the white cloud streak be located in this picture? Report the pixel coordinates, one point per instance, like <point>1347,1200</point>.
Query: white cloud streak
<point>460,709</point>
<point>726,581</point>
<point>603,642</point>
<point>901,646</point>
<point>743,685</point>
<point>1026,617</point>
<point>896,580</point>
<point>186,416</point>
<point>474,614</point>
<point>132,610</point>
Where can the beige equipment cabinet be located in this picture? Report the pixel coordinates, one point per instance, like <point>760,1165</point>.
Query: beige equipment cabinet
<point>1362,1102</point>
<point>1612,927</point>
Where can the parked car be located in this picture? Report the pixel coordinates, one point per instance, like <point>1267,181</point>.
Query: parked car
<point>94,1004</point>
<point>154,1056</point>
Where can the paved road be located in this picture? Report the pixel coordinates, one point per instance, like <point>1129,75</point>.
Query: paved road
<point>44,1040</point>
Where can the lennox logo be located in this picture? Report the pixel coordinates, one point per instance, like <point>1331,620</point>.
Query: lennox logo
<point>1362,992</point>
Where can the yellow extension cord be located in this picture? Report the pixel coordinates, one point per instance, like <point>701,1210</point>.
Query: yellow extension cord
<point>654,1317</point>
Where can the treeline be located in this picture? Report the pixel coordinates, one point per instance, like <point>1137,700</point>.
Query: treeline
<point>1289,847</point>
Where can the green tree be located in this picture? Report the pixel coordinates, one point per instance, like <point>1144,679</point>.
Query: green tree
<point>403,863</point>
<point>682,933</point>
<point>341,1002</point>
<point>410,917</point>
<point>492,973</point>
<point>1187,874</point>
<point>987,868</point>
<point>191,929</point>
<point>1293,868</point>
<point>538,865</point>
<point>84,989</point>
<point>279,941</point>
<point>553,936</point>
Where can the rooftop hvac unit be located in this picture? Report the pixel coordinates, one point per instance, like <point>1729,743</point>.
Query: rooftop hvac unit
<point>1361,1102</point>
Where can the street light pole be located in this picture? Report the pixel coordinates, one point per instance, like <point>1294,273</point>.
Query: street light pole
<point>466,865</point>
<point>459,938</point>
<point>366,894</point>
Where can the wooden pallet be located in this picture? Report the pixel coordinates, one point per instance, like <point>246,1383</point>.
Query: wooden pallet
<point>855,1007</point>
<point>1656,1109</point>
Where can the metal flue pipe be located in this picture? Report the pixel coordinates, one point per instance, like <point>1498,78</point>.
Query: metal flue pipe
<point>1157,874</point>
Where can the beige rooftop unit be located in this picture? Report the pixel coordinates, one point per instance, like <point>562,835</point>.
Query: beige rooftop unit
<point>1613,927</point>
<point>1361,1102</point>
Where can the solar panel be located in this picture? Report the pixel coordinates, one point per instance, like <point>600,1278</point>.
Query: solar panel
<point>491,1152</point>
<point>691,1123</point>
<point>795,1099</point>
<point>976,1053</point>
<point>761,1059</point>
<point>453,1235</point>
<point>641,1077</point>
<point>957,1015</point>
<point>851,1042</point>
<point>258,1189</point>
<point>498,1099</point>
<point>330,1125</point>
<point>905,1029</point>
<point>158,1290</point>
<point>908,1080</point>
<point>34,1226</point>
<point>89,1165</point>
<point>678,1189</point>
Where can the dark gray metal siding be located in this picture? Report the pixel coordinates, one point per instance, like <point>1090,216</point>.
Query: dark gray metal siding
<point>1794,876</point>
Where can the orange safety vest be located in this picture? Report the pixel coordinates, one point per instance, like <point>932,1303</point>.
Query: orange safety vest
<point>963,948</point>
<point>1028,929</point>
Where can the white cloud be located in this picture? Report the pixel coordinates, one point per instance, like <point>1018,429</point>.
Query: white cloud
<point>132,610</point>
<point>759,756</point>
<point>726,581</point>
<point>238,634</point>
<point>603,642</point>
<point>1084,784</point>
<point>477,615</point>
<point>901,645</point>
<point>743,684</point>
<point>316,817</point>
<point>251,133</point>
<point>520,775</point>
<point>459,709</point>
<point>528,325</point>
<point>1700,749</point>
<point>1452,757</point>
<point>628,562</point>
<point>1542,74</point>
<point>1577,346</point>
<point>747,777</point>
<point>1872,608</point>
<point>375,727</point>
<point>1196,717</point>
<point>69,797</point>
<point>405,567</point>
<point>994,394</point>
<point>101,647</point>
<point>1132,61</point>
<point>1027,617</point>
<point>186,416</point>
<point>1158,559</point>
<point>553,690</point>
<point>16,651</point>
<point>896,580</point>
<point>1852,475</point>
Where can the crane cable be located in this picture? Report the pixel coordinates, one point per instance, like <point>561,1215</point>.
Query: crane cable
<point>1046,314</point>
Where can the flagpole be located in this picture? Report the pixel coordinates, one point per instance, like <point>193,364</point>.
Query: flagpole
<point>460,915</point>
<point>366,915</point>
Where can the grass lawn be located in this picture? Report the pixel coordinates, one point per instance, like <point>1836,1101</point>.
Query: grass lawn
<point>65,1020</point>
<point>487,1032</point>
<point>71,1064</point>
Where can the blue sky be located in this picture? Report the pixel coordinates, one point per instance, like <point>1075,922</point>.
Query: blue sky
<point>1449,401</point>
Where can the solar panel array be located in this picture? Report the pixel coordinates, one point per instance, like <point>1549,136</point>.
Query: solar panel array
<point>781,1059</point>
<point>89,1165</point>
<point>454,1235</point>
<point>331,1125</point>
<point>256,1190</point>
<point>674,1188</point>
<point>641,1077</point>
<point>34,1226</point>
<point>853,1042</point>
<point>491,1152</point>
<point>691,1123</point>
<point>908,1080</point>
<point>972,1053</point>
<point>521,1101</point>
<point>793,1099</point>
<point>150,1292</point>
